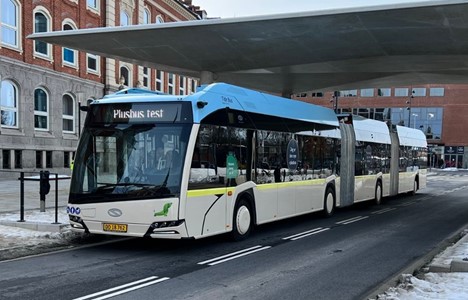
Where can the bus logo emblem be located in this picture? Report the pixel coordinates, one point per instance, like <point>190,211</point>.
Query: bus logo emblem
<point>114,212</point>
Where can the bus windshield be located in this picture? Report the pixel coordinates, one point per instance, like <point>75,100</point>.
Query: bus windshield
<point>118,162</point>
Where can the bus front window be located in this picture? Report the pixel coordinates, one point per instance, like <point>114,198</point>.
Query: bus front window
<point>125,162</point>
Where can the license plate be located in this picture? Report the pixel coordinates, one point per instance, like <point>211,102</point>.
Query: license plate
<point>114,227</point>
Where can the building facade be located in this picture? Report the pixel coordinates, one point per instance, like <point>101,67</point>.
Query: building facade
<point>43,85</point>
<point>440,111</point>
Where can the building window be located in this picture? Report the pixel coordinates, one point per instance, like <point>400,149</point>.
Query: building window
<point>92,63</point>
<point>9,23</point>
<point>18,159</point>
<point>367,93</point>
<point>41,109</point>
<point>419,92</point>
<point>401,92</point>
<point>160,81</point>
<point>317,94</point>
<point>170,84</point>
<point>193,84</point>
<point>124,77</point>
<point>181,85</point>
<point>6,161</point>
<point>146,16</point>
<point>41,24</point>
<point>436,92</point>
<point>68,115</point>
<point>69,55</point>
<point>9,104</point>
<point>124,19</point>
<point>146,75</point>
<point>384,92</point>
<point>93,4</point>
<point>39,159</point>
<point>159,19</point>
<point>348,93</point>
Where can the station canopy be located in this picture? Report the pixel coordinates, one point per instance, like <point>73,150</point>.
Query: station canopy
<point>365,47</point>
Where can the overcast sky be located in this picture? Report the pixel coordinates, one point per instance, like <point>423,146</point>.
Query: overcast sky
<point>241,8</point>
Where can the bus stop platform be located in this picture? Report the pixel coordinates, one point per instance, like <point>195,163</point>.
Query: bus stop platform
<point>53,219</point>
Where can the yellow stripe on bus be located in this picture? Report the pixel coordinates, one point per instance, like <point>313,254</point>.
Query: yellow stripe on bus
<point>266,186</point>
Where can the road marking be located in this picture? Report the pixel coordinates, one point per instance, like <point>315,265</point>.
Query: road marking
<point>406,204</point>
<point>382,211</point>
<point>352,220</point>
<point>125,288</point>
<point>234,255</point>
<point>305,234</point>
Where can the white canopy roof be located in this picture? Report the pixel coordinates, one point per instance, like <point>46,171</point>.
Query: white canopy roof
<point>380,46</point>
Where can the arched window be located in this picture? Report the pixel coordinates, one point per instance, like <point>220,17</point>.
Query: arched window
<point>69,55</point>
<point>125,79</point>
<point>9,104</point>
<point>146,16</point>
<point>159,19</point>
<point>41,109</point>
<point>9,23</point>
<point>124,19</point>
<point>68,113</point>
<point>41,24</point>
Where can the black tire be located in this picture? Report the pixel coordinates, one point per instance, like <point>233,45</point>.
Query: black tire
<point>242,220</point>
<point>415,188</point>
<point>329,203</point>
<point>378,193</point>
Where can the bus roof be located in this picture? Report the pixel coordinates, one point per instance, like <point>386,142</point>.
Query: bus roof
<point>411,137</point>
<point>368,130</point>
<point>219,96</point>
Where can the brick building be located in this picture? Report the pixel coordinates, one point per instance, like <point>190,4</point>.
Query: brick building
<point>440,111</point>
<point>42,85</point>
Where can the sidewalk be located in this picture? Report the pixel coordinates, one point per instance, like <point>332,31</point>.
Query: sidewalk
<point>10,205</point>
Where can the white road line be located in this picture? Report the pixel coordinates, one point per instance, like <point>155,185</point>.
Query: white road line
<point>308,234</point>
<point>229,254</point>
<point>305,232</point>
<point>352,220</point>
<point>406,204</point>
<point>239,255</point>
<point>382,211</point>
<point>133,288</point>
<point>122,287</point>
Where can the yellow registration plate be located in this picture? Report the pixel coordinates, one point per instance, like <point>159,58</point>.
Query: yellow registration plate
<point>114,227</point>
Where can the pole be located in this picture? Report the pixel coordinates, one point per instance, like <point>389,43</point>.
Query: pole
<point>21,197</point>
<point>56,199</point>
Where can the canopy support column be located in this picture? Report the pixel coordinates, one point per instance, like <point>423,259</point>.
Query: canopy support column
<point>206,77</point>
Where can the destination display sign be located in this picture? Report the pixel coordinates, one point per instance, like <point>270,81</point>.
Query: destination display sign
<point>133,113</point>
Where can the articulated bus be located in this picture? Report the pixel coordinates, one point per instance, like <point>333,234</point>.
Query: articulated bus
<point>226,159</point>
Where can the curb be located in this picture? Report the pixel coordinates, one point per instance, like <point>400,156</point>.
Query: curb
<point>48,227</point>
<point>443,261</point>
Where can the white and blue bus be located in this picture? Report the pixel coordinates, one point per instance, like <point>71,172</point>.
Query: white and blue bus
<point>226,159</point>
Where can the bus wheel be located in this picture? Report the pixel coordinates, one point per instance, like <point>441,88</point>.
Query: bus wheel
<point>329,203</point>
<point>242,221</point>
<point>415,188</point>
<point>378,193</point>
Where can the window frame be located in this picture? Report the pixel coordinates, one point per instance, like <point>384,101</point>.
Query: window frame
<point>14,108</point>
<point>65,62</point>
<point>16,28</point>
<point>48,18</point>
<point>40,113</point>
<point>97,58</point>
<point>159,80</point>
<point>69,117</point>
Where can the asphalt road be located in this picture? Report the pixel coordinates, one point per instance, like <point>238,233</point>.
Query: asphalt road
<point>343,257</point>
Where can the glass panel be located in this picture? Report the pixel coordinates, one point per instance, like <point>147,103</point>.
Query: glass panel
<point>67,125</point>
<point>40,100</point>
<point>8,96</point>
<point>40,122</point>
<point>8,118</point>
<point>67,105</point>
